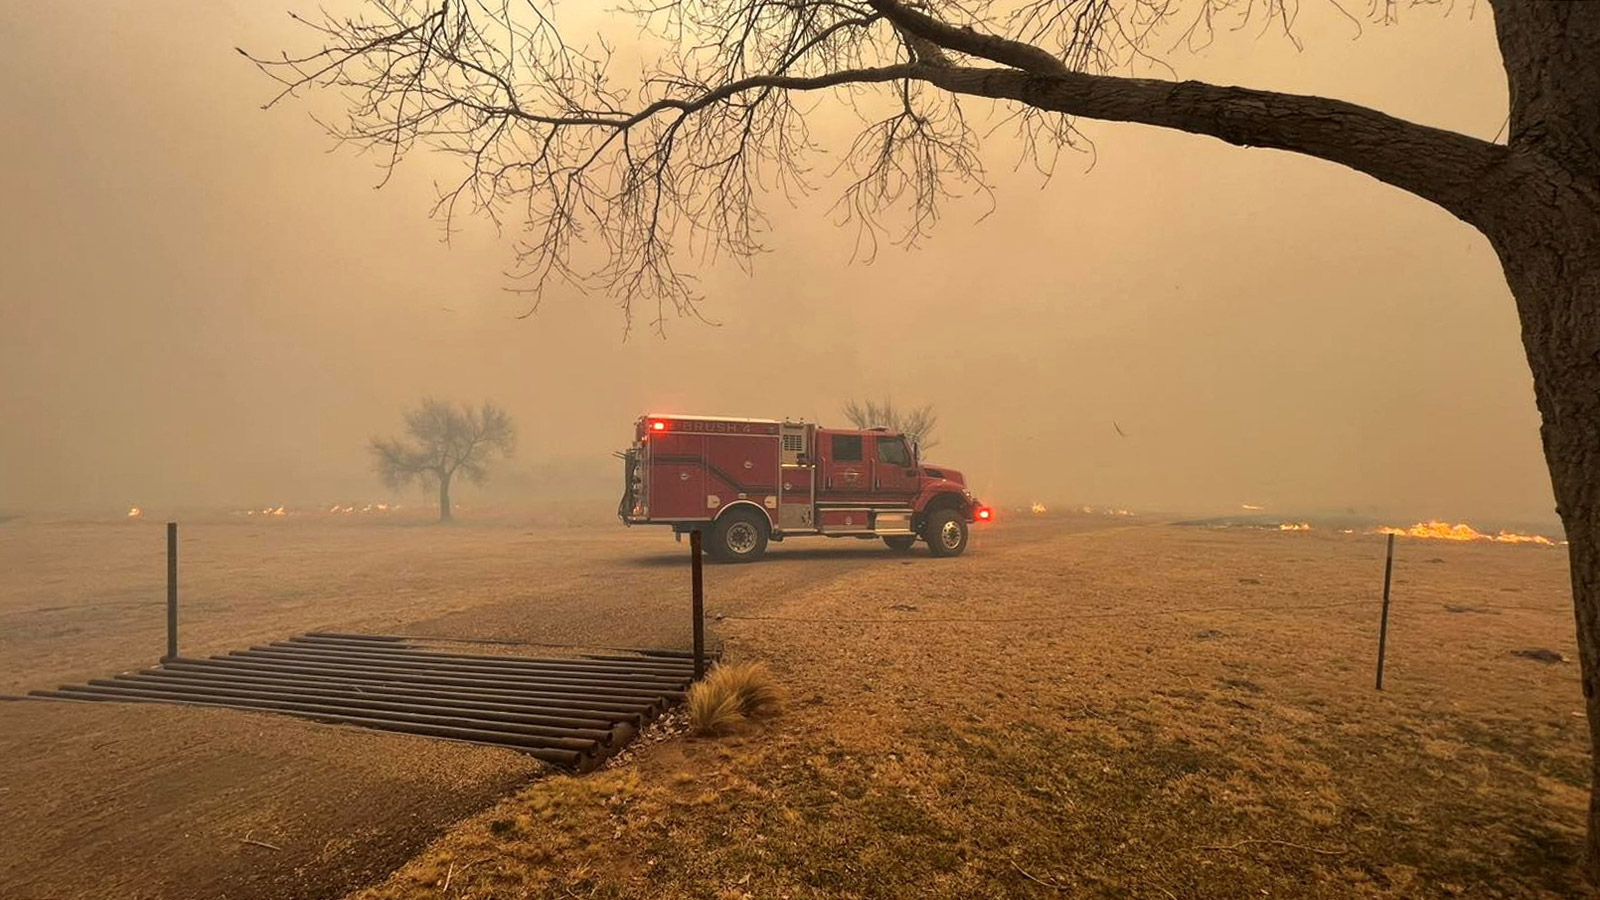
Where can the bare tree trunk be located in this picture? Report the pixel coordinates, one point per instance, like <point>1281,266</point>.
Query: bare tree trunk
<point>1554,272</point>
<point>1544,222</point>
<point>1576,499</point>
<point>1566,366</point>
<point>444,498</point>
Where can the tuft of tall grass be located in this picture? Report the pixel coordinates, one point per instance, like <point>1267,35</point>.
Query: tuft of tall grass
<point>731,694</point>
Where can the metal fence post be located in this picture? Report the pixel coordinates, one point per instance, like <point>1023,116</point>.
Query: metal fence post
<point>699,607</point>
<point>172,591</point>
<point>1383,627</point>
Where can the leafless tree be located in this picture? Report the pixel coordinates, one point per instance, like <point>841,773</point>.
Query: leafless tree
<point>606,173</point>
<point>916,423</point>
<point>445,441</point>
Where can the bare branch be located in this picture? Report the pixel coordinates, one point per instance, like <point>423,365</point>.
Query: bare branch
<point>628,185</point>
<point>916,423</point>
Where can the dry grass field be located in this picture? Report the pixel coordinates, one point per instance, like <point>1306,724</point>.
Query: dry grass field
<point>1075,708</point>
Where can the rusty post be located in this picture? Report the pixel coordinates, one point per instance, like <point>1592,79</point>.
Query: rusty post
<point>1383,627</point>
<point>172,591</point>
<point>699,600</point>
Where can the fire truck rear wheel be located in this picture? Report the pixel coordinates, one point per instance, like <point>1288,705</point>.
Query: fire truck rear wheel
<point>946,533</point>
<point>900,543</point>
<point>739,536</point>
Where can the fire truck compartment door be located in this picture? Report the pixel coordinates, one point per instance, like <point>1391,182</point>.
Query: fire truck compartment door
<point>892,521</point>
<point>795,516</point>
<point>841,521</point>
<point>678,478</point>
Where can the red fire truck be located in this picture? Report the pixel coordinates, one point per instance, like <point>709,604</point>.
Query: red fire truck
<point>744,482</point>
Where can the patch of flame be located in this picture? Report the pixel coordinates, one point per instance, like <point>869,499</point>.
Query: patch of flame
<point>1294,526</point>
<point>135,512</point>
<point>351,509</point>
<point>334,509</point>
<point>1444,531</point>
<point>1252,507</point>
<point>1038,509</point>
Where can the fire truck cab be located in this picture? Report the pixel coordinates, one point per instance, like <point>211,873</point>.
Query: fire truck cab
<point>745,482</point>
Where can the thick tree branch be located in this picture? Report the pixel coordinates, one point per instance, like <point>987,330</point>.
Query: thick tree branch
<point>1007,52</point>
<point>1453,170</point>
<point>1445,167</point>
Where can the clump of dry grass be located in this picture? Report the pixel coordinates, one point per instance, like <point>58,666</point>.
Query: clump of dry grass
<point>730,694</point>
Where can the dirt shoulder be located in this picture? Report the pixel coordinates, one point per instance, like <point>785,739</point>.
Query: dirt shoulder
<point>1157,712</point>
<point>118,801</point>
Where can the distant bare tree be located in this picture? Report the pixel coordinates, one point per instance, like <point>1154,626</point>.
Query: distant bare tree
<point>608,165</point>
<point>916,423</point>
<point>445,441</point>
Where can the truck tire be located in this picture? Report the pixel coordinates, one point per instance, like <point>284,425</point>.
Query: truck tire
<point>900,543</point>
<point>739,536</point>
<point>946,533</point>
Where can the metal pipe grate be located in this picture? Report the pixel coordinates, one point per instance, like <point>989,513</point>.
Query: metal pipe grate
<point>570,711</point>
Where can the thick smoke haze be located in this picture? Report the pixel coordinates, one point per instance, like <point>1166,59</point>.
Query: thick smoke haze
<point>201,305</point>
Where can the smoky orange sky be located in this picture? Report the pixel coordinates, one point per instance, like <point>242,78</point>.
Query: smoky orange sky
<point>201,305</point>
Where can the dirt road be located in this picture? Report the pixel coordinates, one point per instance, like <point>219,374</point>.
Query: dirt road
<point>116,801</point>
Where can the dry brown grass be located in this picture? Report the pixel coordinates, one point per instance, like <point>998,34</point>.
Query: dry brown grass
<point>1156,712</point>
<point>732,694</point>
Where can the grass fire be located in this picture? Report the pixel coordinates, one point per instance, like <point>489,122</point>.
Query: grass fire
<point>1444,531</point>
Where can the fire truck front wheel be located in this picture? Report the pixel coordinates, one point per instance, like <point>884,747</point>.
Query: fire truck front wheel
<point>739,536</point>
<point>946,533</point>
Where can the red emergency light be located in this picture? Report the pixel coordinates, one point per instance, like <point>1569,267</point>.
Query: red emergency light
<point>658,425</point>
<point>985,514</point>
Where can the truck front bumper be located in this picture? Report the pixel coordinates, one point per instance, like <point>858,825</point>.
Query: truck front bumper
<point>976,511</point>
